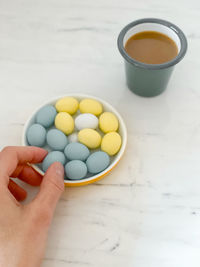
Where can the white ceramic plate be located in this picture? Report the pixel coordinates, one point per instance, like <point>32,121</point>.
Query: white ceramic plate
<point>114,160</point>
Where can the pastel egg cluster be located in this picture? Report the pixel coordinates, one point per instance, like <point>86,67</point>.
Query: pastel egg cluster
<point>81,136</point>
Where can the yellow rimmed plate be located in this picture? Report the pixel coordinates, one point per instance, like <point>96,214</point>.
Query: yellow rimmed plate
<point>114,160</point>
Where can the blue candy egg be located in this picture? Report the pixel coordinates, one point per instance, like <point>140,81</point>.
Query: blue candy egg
<point>56,139</point>
<point>97,162</point>
<point>46,116</point>
<point>36,135</point>
<point>76,151</point>
<point>75,169</point>
<point>54,156</point>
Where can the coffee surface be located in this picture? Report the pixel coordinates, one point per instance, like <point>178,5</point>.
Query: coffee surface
<point>151,47</point>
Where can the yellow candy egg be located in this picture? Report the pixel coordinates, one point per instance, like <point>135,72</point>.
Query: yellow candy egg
<point>111,143</point>
<point>67,104</point>
<point>90,106</point>
<point>90,138</point>
<point>64,122</point>
<point>108,122</point>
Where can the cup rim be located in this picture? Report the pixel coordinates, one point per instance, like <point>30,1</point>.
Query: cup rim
<point>167,64</point>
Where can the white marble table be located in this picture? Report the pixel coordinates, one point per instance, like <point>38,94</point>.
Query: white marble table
<point>147,212</point>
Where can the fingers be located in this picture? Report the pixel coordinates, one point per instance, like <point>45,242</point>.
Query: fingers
<point>51,189</point>
<point>10,157</point>
<point>28,175</point>
<point>18,192</point>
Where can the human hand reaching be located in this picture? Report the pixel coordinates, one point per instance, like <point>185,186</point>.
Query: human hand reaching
<point>24,228</point>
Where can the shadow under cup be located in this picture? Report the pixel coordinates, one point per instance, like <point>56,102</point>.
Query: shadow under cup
<point>150,80</point>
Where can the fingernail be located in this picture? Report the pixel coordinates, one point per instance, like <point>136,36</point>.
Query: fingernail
<point>59,169</point>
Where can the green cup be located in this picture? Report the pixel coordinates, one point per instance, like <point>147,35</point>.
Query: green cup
<point>150,80</point>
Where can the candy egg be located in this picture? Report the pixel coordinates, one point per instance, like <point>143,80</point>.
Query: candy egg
<point>88,105</point>
<point>75,169</point>
<point>86,120</point>
<point>73,137</point>
<point>90,138</point>
<point>76,151</point>
<point>36,135</point>
<point>46,115</point>
<point>108,122</point>
<point>52,157</point>
<point>97,162</point>
<point>64,122</point>
<point>111,143</point>
<point>67,104</point>
<point>56,139</point>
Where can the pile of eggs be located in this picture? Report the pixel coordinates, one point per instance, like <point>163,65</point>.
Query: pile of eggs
<point>81,136</point>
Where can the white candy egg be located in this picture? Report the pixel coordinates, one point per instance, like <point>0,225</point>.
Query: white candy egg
<point>86,120</point>
<point>73,137</point>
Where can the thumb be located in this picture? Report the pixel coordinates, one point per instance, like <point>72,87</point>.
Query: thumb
<point>51,188</point>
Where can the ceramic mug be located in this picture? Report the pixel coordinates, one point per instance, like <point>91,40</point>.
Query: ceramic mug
<point>150,79</point>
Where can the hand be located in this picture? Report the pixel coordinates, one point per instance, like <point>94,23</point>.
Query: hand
<point>24,228</point>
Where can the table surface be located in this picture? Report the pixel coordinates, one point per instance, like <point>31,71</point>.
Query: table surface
<point>147,211</point>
